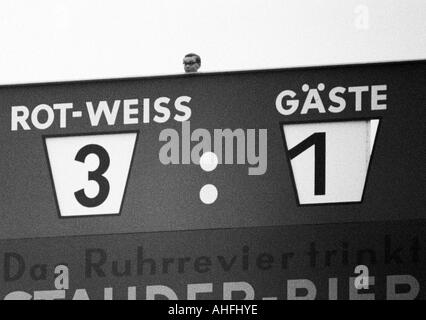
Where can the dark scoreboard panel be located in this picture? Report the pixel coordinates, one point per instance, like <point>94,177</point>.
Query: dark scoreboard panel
<point>261,184</point>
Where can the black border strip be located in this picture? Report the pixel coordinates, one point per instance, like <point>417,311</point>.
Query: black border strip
<point>389,222</point>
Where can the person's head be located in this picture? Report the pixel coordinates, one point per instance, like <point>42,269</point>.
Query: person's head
<point>191,62</point>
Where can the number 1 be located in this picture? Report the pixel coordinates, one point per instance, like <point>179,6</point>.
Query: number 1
<point>318,140</point>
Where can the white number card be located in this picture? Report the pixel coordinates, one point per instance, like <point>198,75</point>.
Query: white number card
<point>90,172</point>
<point>329,160</point>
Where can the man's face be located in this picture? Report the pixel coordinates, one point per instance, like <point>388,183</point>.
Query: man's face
<point>190,64</point>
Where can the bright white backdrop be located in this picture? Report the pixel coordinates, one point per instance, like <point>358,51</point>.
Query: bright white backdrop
<point>51,40</point>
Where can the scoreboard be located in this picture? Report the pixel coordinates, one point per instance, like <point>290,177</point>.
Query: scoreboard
<point>267,184</point>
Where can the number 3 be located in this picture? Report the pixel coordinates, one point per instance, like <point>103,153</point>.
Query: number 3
<point>96,175</point>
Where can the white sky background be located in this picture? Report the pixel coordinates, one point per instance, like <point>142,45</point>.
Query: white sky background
<point>51,40</point>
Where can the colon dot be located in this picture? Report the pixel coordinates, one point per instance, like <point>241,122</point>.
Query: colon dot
<point>208,161</point>
<point>208,194</point>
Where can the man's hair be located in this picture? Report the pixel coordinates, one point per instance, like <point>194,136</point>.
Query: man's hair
<point>197,57</point>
